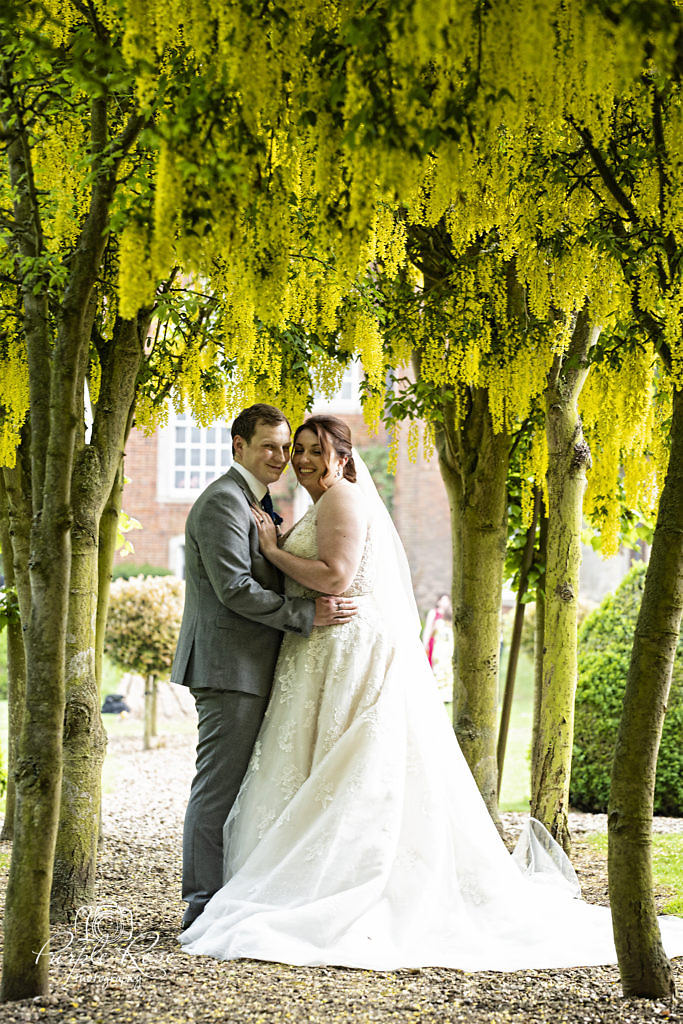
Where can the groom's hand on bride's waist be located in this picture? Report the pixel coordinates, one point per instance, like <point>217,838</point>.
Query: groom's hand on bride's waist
<point>333,611</point>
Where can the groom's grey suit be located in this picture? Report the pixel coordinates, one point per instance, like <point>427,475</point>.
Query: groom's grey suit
<point>233,620</point>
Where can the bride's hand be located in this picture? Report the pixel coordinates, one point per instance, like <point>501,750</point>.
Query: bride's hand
<point>267,531</point>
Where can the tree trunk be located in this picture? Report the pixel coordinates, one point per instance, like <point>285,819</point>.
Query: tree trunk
<point>38,761</point>
<point>39,756</point>
<point>17,487</point>
<point>57,341</point>
<point>539,645</point>
<point>16,668</point>
<point>109,524</point>
<point>154,722</point>
<point>38,769</point>
<point>568,459</point>
<point>473,461</point>
<point>84,742</point>
<point>150,712</point>
<point>516,639</point>
<point>94,483</point>
<point>53,382</point>
<point>644,968</point>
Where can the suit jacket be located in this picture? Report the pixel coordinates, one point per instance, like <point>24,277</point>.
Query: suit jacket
<point>235,611</point>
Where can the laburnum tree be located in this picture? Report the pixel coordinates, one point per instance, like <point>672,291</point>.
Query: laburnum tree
<point>464,323</point>
<point>279,143</point>
<point>634,174</point>
<point>491,368</point>
<point>63,153</point>
<point>80,168</point>
<point>515,80</point>
<point>396,105</point>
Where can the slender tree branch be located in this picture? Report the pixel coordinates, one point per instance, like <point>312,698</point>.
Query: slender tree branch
<point>606,173</point>
<point>121,144</point>
<point>517,437</point>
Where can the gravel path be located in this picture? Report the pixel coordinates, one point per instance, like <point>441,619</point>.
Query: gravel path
<point>142,977</point>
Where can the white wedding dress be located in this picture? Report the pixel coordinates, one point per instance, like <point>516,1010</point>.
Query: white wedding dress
<point>359,837</point>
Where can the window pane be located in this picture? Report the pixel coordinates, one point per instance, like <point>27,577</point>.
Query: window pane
<point>211,435</point>
<point>194,481</point>
<point>180,479</point>
<point>226,457</point>
<point>195,456</point>
<point>179,435</point>
<point>208,477</point>
<point>195,435</point>
<point>210,456</point>
<point>180,454</point>
<point>225,436</point>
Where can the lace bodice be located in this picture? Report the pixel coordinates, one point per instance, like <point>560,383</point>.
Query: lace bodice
<point>302,541</point>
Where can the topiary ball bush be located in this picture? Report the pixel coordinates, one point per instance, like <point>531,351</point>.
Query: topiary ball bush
<point>605,641</point>
<point>143,623</point>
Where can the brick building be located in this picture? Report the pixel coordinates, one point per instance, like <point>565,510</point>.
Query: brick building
<point>167,470</point>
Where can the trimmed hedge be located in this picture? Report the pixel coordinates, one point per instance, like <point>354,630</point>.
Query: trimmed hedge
<point>605,641</point>
<point>127,570</point>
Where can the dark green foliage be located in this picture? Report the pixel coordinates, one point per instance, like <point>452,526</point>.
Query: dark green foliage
<point>376,458</point>
<point>126,570</point>
<point>9,606</point>
<point>3,664</point>
<point>605,641</point>
<point>9,612</point>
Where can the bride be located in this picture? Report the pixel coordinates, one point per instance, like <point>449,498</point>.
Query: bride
<point>359,837</point>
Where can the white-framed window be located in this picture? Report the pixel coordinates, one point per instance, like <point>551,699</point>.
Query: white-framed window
<point>347,398</point>
<point>176,555</point>
<point>190,457</point>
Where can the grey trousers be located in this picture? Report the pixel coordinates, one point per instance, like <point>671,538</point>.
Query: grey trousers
<point>229,722</point>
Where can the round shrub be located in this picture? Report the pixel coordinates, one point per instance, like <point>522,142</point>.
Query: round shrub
<point>605,641</point>
<point>143,623</point>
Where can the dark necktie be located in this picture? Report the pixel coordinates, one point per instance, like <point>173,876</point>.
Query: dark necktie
<point>267,506</point>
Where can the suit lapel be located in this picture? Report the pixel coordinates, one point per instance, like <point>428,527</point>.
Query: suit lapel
<point>239,479</point>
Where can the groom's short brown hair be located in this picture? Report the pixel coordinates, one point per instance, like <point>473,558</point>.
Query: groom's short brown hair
<point>244,425</point>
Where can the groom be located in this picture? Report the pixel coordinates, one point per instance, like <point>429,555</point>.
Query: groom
<point>233,621</point>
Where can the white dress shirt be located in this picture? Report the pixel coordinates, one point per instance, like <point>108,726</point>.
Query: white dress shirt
<point>258,489</point>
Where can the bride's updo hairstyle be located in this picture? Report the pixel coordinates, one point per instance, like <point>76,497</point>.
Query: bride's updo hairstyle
<point>333,435</point>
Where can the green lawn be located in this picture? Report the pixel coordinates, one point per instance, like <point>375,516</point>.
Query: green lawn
<point>515,791</point>
<point>3,663</point>
<point>667,865</point>
<point>3,746</point>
